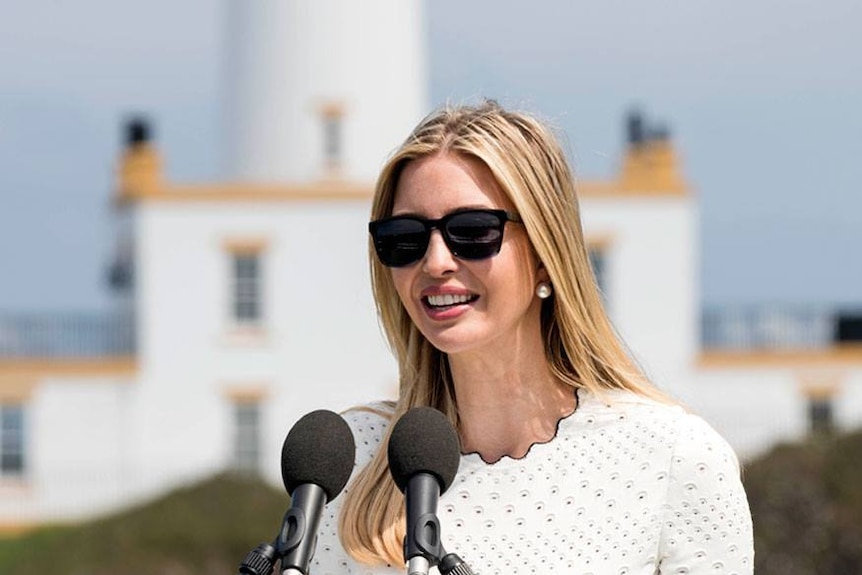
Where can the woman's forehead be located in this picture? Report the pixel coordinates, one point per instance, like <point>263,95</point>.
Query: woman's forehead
<point>434,185</point>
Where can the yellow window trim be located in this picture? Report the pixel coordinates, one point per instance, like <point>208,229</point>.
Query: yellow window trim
<point>245,246</point>
<point>246,393</point>
<point>820,384</point>
<point>599,241</point>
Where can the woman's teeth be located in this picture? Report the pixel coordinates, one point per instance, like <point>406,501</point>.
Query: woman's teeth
<point>448,299</point>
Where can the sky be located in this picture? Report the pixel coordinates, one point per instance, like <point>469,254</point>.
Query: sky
<point>762,98</point>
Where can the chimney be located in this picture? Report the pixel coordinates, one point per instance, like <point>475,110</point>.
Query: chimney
<point>650,164</point>
<point>634,128</point>
<point>140,170</point>
<point>137,131</point>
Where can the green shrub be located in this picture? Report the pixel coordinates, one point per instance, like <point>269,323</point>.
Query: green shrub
<point>806,504</point>
<point>204,528</point>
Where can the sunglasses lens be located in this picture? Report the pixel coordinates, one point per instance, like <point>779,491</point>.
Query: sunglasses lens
<point>400,241</point>
<point>474,235</point>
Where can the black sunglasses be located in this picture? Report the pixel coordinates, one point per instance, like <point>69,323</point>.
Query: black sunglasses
<point>469,234</point>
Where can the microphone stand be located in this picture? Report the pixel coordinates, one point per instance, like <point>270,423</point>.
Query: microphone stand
<point>286,547</point>
<point>422,547</point>
<point>261,561</point>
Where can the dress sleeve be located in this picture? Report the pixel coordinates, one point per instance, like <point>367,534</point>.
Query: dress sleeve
<point>706,522</point>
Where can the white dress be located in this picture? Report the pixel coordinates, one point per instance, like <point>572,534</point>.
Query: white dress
<point>627,486</point>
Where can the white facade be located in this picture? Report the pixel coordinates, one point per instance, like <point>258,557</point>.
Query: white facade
<point>318,345</point>
<point>756,397</point>
<point>758,406</point>
<point>98,443</point>
<point>77,452</point>
<point>650,248</point>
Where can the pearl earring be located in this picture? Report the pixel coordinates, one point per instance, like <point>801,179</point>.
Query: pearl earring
<point>544,290</point>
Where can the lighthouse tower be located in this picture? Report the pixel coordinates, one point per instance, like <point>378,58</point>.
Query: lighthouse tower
<point>320,90</point>
<point>251,296</point>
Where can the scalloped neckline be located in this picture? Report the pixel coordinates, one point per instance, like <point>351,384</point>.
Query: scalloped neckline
<point>474,455</point>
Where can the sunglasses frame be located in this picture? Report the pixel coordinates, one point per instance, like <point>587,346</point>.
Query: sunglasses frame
<point>440,224</point>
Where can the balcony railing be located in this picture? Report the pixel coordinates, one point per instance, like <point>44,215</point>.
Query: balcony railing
<point>778,327</point>
<point>722,328</point>
<point>66,335</point>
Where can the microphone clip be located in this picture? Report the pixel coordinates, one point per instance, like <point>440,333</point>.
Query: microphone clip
<point>425,541</point>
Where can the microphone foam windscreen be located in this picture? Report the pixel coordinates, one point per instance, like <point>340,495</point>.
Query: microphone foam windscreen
<point>318,449</point>
<point>423,441</point>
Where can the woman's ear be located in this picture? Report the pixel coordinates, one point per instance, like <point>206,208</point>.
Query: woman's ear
<point>542,274</point>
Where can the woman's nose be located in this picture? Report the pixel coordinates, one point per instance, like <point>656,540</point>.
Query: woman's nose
<point>438,259</point>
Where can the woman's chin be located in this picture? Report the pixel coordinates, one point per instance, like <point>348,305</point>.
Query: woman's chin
<point>454,340</point>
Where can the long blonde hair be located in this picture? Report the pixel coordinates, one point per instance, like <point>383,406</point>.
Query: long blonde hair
<point>581,345</point>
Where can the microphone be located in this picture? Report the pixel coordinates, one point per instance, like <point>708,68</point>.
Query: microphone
<point>316,461</point>
<point>424,453</point>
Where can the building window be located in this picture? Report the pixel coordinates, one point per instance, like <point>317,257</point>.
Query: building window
<point>332,118</point>
<point>246,291</point>
<point>820,419</point>
<point>246,445</point>
<point>820,390</point>
<point>332,140</point>
<point>11,440</point>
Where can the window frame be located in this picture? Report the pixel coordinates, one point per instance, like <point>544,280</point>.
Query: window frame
<point>246,291</point>
<point>246,455</point>
<point>332,114</point>
<point>18,444</point>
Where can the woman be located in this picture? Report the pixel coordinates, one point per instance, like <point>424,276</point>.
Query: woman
<point>572,461</point>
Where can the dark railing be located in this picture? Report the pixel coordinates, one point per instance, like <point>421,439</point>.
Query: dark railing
<point>778,327</point>
<point>66,335</point>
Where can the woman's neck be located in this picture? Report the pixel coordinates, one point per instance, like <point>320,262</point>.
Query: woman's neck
<point>506,405</point>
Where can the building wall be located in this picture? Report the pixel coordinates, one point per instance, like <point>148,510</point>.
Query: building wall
<point>78,460</point>
<point>756,407</point>
<point>757,398</point>
<point>319,345</point>
<point>652,260</point>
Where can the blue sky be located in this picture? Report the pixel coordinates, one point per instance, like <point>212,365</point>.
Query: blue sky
<point>762,99</point>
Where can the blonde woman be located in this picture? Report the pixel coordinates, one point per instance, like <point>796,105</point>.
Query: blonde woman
<point>572,462</point>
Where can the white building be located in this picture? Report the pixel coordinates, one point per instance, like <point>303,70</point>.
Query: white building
<point>760,375</point>
<point>243,305</point>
